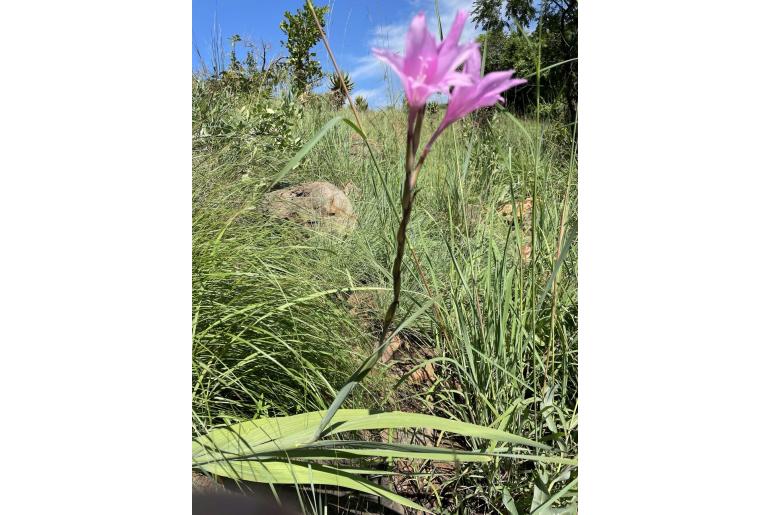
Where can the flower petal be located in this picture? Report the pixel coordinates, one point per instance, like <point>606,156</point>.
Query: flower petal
<point>456,31</point>
<point>450,60</point>
<point>394,60</point>
<point>473,64</point>
<point>482,92</point>
<point>426,68</point>
<point>420,47</point>
<point>457,80</point>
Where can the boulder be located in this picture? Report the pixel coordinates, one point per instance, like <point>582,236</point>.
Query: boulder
<point>319,205</point>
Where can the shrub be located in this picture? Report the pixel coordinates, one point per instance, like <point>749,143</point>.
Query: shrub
<point>302,34</point>
<point>361,103</point>
<point>337,90</point>
<point>260,122</point>
<point>432,107</point>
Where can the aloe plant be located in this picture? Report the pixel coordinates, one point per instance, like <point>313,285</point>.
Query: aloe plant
<point>338,88</point>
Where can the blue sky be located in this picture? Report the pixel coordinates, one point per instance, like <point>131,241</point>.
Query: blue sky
<point>353,27</point>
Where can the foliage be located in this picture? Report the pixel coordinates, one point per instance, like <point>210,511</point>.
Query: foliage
<point>250,63</point>
<point>251,76</point>
<point>235,65</point>
<point>301,36</point>
<point>281,450</point>
<point>337,90</point>
<point>261,122</point>
<point>520,36</point>
<point>432,107</point>
<point>361,103</point>
<point>492,15</point>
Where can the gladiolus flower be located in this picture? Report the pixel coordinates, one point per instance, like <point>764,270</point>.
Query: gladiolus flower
<point>426,67</point>
<point>482,92</point>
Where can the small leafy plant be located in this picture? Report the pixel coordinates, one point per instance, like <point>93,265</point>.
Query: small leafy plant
<point>340,88</point>
<point>361,103</point>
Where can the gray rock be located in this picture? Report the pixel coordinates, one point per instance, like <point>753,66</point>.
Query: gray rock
<point>320,205</point>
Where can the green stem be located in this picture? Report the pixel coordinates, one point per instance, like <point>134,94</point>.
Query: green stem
<point>414,125</point>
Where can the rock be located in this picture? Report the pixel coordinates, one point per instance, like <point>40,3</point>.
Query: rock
<point>391,349</point>
<point>320,205</point>
<point>523,211</point>
<point>506,210</point>
<point>526,252</point>
<point>364,306</point>
<point>424,375</point>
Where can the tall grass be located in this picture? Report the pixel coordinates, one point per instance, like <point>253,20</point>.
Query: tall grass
<point>273,329</point>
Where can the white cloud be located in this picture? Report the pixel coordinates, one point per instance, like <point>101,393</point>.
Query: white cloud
<point>375,96</point>
<point>367,67</point>
<point>392,36</point>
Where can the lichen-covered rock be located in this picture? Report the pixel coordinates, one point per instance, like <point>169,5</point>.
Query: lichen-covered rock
<point>319,205</point>
<point>523,211</point>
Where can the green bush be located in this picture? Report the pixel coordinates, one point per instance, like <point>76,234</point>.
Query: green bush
<point>250,120</point>
<point>361,103</point>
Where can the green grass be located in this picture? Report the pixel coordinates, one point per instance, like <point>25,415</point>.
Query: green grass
<point>273,332</point>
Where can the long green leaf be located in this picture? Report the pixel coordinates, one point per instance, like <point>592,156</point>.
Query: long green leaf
<point>404,420</point>
<point>562,256</point>
<point>242,438</point>
<point>542,506</point>
<point>281,472</point>
<point>382,451</point>
<point>554,65</point>
<point>347,449</point>
<point>285,433</point>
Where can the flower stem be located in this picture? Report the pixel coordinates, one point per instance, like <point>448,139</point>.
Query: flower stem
<point>414,125</point>
<point>426,149</point>
<point>407,201</point>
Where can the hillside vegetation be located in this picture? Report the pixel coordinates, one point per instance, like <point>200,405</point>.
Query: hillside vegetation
<point>283,312</point>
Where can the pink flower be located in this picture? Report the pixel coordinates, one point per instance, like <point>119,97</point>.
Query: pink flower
<point>482,92</point>
<point>427,68</point>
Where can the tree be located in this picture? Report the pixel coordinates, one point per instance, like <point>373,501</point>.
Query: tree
<point>251,64</point>
<point>302,34</point>
<point>518,14</point>
<point>234,64</point>
<point>514,33</point>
